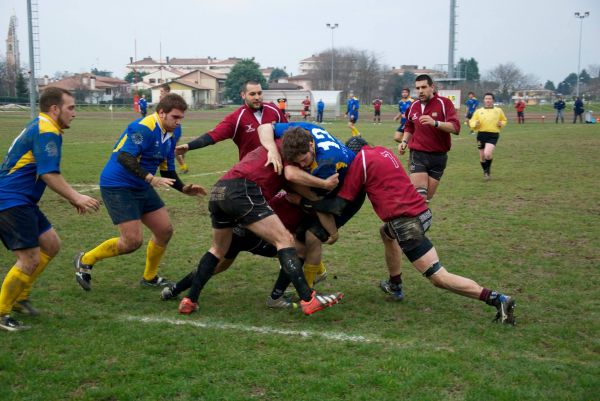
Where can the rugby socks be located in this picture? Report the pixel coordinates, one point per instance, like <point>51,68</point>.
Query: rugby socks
<point>14,283</point>
<point>288,258</point>
<point>322,268</point>
<point>282,282</point>
<point>486,165</point>
<point>310,273</point>
<point>183,284</point>
<point>483,164</point>
<point>44,260</point>
<point>491,297</point>
<point>397,279</point>
<point>154,254</point>
<point>206,268</point>
<point>107,249</point>
<point>355,131</point>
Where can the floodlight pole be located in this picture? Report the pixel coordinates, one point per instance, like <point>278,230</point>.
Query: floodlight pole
<point>332,27</point>
<point>32,88</point>
<point>581,16</point>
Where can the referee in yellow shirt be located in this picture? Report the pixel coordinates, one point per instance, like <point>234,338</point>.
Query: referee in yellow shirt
<point>487,121</point>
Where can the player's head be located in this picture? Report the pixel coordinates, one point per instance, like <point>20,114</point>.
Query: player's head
<point>471,94</point>
<point>164,90</point>
<point>356,143</point>
<point>405,93</point>
<point>171,110</point>
<point>252,95</point>
<point>488,99</point>
<point>424,87</point>
<point>59,104</point>
<point>298,147</point>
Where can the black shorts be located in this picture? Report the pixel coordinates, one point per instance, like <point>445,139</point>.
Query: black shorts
<point>409,231</point>
<point>377,113</point>
<point>313,224</point>
<point>126,204</point>
<point>245,240</point>
<point>520,113</point>
<point>431,163</point>
<point>21,227</point>
<point>487,137</point>
<point>237,201</point>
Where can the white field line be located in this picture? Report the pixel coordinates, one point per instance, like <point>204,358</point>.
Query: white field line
<point>328,335</point>
<point>83,188</point>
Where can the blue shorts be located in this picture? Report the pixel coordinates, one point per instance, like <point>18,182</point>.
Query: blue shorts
<point>126,204</point>
<point>353,117</point>
<point>21,227</point>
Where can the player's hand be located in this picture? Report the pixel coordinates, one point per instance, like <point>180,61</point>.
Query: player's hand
<point>402,147</point>
<point>194,190</point>
<point>332,181</point>
<point>274,158</point>
<point>181,150</point>
<point>85,204</point>
<point>396,118</point>
<point>158,182</point>
<point>426,120</point>
<point>498,124</point>
<point>332,238</point>
<point>293,198</point>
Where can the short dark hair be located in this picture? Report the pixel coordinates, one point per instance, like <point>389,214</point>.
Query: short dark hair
<point>170,102</point>
<point>248,82</point>
<point>296,142</point>
<point>406,89</point>
<point>166,87</point>
<point>472,93</point>
<point>52,96</point>
<point>424,77</point>
<point>489,94</point>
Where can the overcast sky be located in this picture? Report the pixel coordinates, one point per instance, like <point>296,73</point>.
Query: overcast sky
<point>540,36</point>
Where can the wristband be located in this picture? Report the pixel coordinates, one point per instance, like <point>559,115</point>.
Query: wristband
<point>404,141</point>
<point>437,124</point>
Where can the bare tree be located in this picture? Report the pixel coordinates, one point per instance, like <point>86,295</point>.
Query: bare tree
<point>509,78</point>
<point>355,71</point>
<point>594,70</point>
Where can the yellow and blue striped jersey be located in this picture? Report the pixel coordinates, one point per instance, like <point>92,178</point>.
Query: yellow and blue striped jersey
<point>36,151</point>
<point>146,139</point>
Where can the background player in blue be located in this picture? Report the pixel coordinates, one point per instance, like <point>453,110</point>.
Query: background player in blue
<point>403,105</point>
<point>143,103</point>
<point>352,113</point>
<point>31,164</point>
<point>472,104</point>
<point>127,185</point>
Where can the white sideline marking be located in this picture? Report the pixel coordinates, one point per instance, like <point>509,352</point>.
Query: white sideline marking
<point>336,336</point>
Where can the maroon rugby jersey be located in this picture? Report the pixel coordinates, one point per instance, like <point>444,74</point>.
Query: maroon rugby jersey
<point>252,167</point>
<point>242,126</point>
<point>388,187</point>
<point>427,138</point>
<point>290,215</point>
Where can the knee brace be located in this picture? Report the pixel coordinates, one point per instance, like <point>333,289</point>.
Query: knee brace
<point>432,269</point>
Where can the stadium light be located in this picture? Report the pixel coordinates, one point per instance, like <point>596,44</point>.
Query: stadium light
<point>581,16</point>
<point>332,27</point>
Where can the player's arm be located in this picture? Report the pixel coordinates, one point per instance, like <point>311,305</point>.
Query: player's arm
<point>200,142</point>
<point>475,121</point>
<point>189,189</point>
<point>131,164</point>
<point>328,223</point>
<point>81,202</point>
<point>404,142</point>
<point>298,176</point>
<point>266,135</point>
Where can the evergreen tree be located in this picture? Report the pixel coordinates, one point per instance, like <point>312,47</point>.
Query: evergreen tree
<point>549,85</point>
<point>276,74</point>
<point>245,70</point>
<point>22,87</point>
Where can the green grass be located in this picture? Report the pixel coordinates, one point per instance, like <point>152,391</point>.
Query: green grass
<point>531,232</point>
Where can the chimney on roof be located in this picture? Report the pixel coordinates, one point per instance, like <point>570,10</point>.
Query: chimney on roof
<point>45,80</point>
<point>85,80</point>
<point>93,82</point>
<point>130,60</point>
<point>168,60</point>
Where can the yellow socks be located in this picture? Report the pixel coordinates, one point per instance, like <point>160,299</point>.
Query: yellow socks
<point>310,272</point>
<point>154,254</point>
<point>321,268</point>
<point>107,249</point>
<point>355,131</point>
<point>44,260</point>
<point>14,283</point>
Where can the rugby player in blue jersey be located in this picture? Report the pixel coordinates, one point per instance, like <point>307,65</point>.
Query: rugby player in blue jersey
<point>31,164</point>
<point>128,184</point>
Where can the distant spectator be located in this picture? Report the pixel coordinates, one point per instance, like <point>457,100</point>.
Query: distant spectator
<point>143,103</point>
<point>559,106</point>
<point>306,108</point>
<point>282,103</point>
<point>164,91</point>
<point>377,111</point>
<point>320,109</point>
<point>403,105</point>
<point>578,110</point>
<point>520,106</point>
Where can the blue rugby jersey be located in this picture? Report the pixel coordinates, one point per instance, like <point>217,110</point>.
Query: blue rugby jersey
<point>36,151</point>
<point>331,155</point>
<point>147,140</point>
<point>472,105</point>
